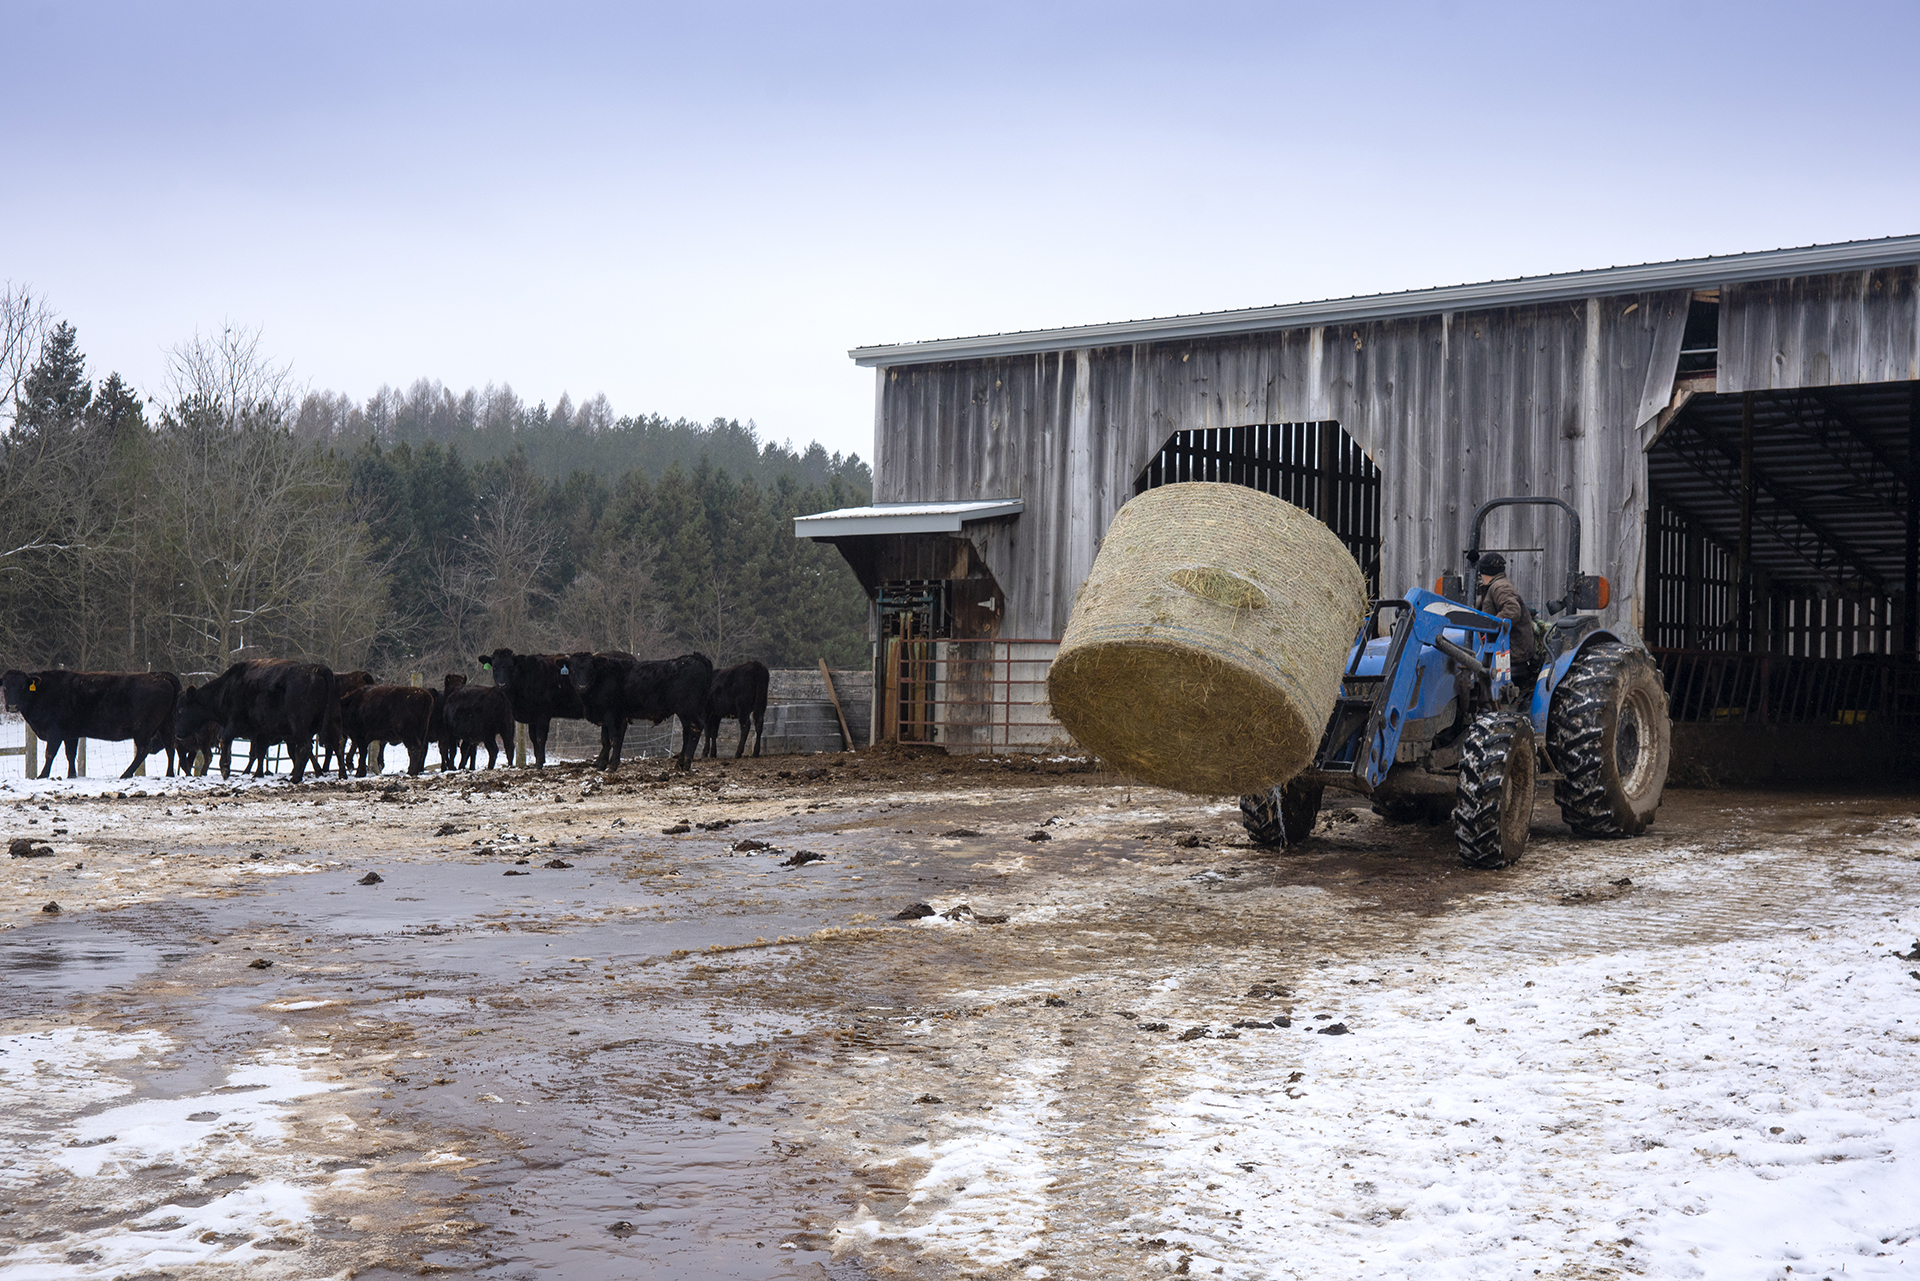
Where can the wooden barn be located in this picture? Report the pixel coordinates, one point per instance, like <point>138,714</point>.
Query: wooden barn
<point>1740,436</point>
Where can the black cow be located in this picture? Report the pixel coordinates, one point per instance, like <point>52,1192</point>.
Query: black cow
<point>203,736</point>
<point>65,707</point>
<point>470,715</point>
<point>265,701</point>
<point>334,740</point>
<point>618,688</point>
<point>538,692</point>
<point>738,693</point>
<point>386,714</point>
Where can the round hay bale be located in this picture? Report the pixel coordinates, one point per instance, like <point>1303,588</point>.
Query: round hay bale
<point>1205,649</point>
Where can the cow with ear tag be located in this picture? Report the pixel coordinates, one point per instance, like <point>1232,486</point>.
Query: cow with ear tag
<point>537,690</point>
<point>64,707</point>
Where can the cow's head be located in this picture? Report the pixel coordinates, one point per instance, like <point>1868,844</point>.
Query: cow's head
<point>193,713</point>
<point>499,665</point>
<point>453,681</point>
<point>577,668</point>
<point>15,683</point>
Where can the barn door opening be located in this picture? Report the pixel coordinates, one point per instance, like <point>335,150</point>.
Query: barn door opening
<point>1315,466</point>
<point>1783,547</point>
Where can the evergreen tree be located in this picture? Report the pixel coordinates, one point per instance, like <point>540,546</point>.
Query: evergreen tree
<point>56,393</point>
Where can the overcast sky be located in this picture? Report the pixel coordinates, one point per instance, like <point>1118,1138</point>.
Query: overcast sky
<point>697,209</point>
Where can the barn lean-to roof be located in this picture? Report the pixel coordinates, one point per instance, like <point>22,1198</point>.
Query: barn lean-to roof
<point>1696,273</point>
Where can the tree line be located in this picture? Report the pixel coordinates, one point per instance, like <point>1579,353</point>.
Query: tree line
<point>229,515</point>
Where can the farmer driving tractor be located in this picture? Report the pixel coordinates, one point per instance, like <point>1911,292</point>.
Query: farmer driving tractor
<point>1499,597</point>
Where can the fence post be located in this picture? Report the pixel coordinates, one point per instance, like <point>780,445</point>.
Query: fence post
<point>83,758</point>
<point>519,745</point>
<point>416,680</point>
<point>33,754</point>
<point>892,691</point>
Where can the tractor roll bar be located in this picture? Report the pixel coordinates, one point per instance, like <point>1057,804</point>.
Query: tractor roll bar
<point>1583,591</point>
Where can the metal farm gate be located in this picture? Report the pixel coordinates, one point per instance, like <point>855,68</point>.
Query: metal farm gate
<point>1314,466</point>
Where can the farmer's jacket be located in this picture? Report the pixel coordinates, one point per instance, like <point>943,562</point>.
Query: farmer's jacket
<point>1502,599</point>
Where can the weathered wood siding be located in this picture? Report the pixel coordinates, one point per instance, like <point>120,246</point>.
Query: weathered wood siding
<point>1821,331</point>
<point>1454,409</point>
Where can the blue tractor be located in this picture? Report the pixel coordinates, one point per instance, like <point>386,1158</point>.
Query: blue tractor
<point>1429,719</point>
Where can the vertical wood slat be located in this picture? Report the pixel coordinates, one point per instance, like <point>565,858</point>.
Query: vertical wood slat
<point>1457,408</point>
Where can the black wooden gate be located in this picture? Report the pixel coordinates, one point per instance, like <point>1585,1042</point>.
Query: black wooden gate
<point>1315,466</point>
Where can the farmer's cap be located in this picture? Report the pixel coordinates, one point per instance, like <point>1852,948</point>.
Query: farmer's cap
<point>1493,563</point>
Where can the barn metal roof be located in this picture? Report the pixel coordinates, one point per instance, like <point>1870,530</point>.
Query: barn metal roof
<point>903,518</point>
<point>1697,273</point>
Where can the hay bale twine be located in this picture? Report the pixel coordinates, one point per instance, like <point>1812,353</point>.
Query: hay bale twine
<point>1205,649</point>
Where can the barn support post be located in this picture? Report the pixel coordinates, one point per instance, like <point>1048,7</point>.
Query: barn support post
<point>82,760</point>
<point>1743,568</point>
<point>1910,600</point>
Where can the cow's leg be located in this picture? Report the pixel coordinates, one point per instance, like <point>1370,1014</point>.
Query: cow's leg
<point>416,757</point>
<point>746,723</point>
<point>689,735</point>
<point>759,727</point>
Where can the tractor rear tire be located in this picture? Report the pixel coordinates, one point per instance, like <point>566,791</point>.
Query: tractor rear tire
<point>1494,811</point>
<point>1281,816</point>
<point>1610,737</point>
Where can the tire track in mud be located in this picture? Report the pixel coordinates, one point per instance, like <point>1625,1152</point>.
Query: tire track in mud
<point>1129,1179</point>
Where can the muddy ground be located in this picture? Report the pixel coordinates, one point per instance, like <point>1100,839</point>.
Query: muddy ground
<point>523,1023</point>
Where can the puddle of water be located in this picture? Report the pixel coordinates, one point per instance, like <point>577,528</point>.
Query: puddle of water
<point>61,958</point>
<point>612,1167</point>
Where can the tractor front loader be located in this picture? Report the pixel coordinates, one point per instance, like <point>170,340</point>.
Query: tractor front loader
<point>1429,715</point>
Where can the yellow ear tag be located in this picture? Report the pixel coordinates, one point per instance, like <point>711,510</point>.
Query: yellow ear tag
<point>32,688</point>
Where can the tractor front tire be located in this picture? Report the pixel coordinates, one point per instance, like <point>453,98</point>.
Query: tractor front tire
<point>1611,739</point>
<point>1494,809</point>
<point>1281,816</point>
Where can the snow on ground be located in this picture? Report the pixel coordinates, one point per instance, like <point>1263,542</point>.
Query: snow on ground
<point>53,1085</point>
<point>990,1179</point>
<point>1724,1111</point>
<point>1656,1099</point>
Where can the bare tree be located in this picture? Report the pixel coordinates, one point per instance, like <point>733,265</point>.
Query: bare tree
<point>725,627</point>
<point>264,548</point>
<point>456,606</point>
<point>616,607</point>
<point>510,550</point>
<point>227,377</point>
<point>24,320</point>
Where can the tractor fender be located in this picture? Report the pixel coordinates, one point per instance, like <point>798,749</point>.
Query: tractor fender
<point>1556,672</point>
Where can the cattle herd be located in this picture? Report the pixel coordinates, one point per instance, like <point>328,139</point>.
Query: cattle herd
<point>332,720</point>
